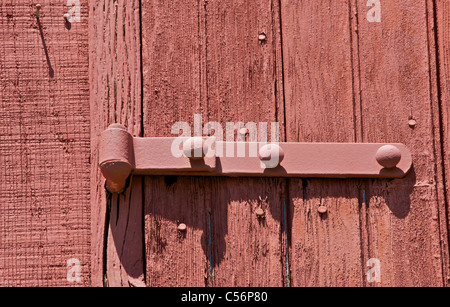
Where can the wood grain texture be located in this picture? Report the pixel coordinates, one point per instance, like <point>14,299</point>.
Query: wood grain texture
<point>443,44</point>
<point>318,71</point>
<point>173,59</point>
<point>248,250</point>
<point>319,68</point>
<point>441,27</point>
<point>244,84</point>
<point>115,88</point>
<point>124,250</point>
<point>44,145</point>
<point>402,216</point>
<point>205,57</point>
<point>173,43</point>
<point>174,257</point>
<point>325,249</point>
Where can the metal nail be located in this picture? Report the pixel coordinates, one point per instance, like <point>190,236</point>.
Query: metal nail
<point>38,8</point>
<point>259,213</point>
<point>243,131</point>
<point>182,227</point>
<point>262,37</point>
<point>67,17</point>
<point>322,209</point>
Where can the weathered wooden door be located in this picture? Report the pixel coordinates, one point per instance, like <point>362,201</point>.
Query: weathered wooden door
<point>327,71</point>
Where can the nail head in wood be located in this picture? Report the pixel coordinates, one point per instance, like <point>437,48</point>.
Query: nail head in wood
<point>182,227</point>
<point>38,8</point>
<point>412,123</point>
<point>259,213</point>
<point>243,131</point>
<point>262,37</point>
<point>322,209</point>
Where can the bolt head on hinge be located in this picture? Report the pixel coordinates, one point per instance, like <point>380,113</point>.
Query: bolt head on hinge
<point>271,155</point>
<point>388,156</point>
<point>195,148</point>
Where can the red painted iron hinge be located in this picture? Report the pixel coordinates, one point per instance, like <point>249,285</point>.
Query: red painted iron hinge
<point>121,154</point>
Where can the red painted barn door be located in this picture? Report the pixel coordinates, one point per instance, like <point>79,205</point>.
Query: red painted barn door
<point>327,71</point>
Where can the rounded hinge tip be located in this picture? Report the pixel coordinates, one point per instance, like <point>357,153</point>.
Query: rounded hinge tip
<point>116,174</point>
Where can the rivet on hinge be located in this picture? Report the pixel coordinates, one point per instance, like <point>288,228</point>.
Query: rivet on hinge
<point>388,156</point>
<point>271,155</point>
<point>194,148</point>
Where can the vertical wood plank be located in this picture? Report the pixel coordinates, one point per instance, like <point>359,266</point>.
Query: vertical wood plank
<point>244,64</point>
<point>402,215</point>
<point>205,57</point>
<point>115,79</point>
<point>441,27</point>
<point>244,84</point>
<point>325,247</point>
<point>318,71</point>
<point>44,146</point>
<point>443,43</point>
<point>173,59</point>
<point>319,81</point>
<point>124,250</point>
